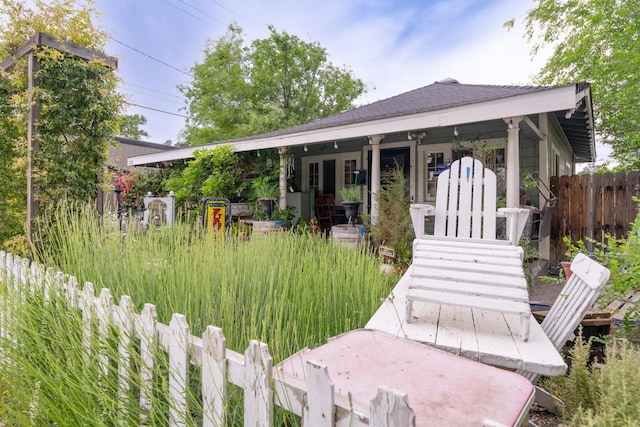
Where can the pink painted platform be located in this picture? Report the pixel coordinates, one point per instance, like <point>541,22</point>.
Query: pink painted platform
<point>443,389</point>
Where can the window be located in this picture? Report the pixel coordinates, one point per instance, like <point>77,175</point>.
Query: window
<point>314,176</point>
<point>349,175</point>
<point>435,163</point>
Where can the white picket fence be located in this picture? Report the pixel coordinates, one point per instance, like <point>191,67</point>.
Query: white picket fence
<point>313,399</point>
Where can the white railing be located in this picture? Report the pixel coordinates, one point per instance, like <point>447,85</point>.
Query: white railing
<point>313,398</point>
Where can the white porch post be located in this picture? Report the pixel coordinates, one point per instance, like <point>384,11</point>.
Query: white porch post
<point>375,140</point>
<point>513,162</point>
<point>283,177</point>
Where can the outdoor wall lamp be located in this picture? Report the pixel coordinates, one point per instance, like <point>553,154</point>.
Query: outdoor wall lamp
<point>306,148</point>
<point>510,123</point>
<point>335,144</point>
<point>455,131</point>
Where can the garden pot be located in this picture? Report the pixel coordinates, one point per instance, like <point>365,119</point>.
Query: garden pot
<point>267,207</point>
<point>566,266</point>
<point>351,211</point>
<point>347,235</point>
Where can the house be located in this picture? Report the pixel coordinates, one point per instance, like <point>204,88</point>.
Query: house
<point>545,130</point>
<point>125,148</point>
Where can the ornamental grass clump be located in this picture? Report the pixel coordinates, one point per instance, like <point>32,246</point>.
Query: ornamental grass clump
<point>287,290</point>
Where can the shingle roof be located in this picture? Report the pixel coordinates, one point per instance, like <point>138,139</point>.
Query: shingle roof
<point>437,96</point>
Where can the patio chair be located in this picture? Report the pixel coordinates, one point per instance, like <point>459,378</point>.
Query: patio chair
<point>587,280</point>
<point>464,262</point>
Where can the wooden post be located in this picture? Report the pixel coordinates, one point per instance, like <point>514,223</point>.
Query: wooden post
<point>33,145</point>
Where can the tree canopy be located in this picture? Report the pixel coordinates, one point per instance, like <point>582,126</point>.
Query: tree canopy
<point>78,108</point>
<point>130,126</point>
<point>596,41</point>
<point>274,83</point>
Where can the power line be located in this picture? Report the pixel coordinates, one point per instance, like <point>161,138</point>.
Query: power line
<point>150,57</point>
<point>225,7</point>
<point>164,99</point>
<point>199,10</point>
<point>153,90</point>
<point>133,104</point>
<point>186,12</point>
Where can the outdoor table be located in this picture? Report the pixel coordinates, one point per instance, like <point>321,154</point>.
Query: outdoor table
<point>486,336</point>
<point>442,389</point>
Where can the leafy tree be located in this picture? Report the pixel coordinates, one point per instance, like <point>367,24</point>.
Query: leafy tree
<point>212,173</point>
<point>596,41</point>
<point>79,107</point>
<point>274,83</point>
<point>129,126</point>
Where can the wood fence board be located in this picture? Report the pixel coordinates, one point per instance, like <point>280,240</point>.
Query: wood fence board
<point>590,207</point>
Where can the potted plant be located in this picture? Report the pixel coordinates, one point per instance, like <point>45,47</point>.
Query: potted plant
<point>351,201</point>
<point>267,192</point>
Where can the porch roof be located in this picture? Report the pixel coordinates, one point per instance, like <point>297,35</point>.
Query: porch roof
<point>443,103</point>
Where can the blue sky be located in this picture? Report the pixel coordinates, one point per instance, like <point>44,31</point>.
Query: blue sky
<point>393,45</point>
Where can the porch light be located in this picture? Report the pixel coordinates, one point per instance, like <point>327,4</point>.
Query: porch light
<point>306,148</point>
<point>335,144</point>
<point>510,124</point>
<point>258,153</point>
<point>455,131</point>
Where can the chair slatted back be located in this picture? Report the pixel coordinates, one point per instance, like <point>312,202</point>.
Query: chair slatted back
<point>581,291</point>
<point>466,201</point>
<point>578,295</point>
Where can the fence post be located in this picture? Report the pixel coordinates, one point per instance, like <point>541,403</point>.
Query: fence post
<point>104,314</point>
<point>147,333</point>
<point>179,345</point>
<point>320,408</point>
<point>258,395</point>
<point>87,302</point>
<point>123,319</point>
<point>390,408</point>
<point>214,377</point>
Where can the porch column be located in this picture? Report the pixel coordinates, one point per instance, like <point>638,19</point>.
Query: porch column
<point>283,177</point>
<point>513,162</point>
<point>375,140</point>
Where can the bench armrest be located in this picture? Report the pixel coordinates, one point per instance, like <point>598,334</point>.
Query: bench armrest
<point>418,212</point>
<point>516,220</point>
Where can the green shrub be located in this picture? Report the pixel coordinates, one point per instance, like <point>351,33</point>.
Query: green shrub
<point>601,394</point>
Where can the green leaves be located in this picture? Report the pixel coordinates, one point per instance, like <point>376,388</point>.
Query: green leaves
<point>277,82</point>
<point>596,41</point>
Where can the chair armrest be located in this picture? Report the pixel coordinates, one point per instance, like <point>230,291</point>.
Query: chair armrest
<point>418,212</point>
<point>516,220</point>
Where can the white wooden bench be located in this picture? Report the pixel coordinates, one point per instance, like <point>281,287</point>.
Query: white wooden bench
<point>464,262</point>
<point>470,274</point>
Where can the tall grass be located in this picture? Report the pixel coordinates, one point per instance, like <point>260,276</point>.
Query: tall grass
<point>290,291</point>
<point>287,290</point>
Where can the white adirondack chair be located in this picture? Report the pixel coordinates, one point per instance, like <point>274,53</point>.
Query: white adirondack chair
<point>581,291</point>
<point>464,263</point>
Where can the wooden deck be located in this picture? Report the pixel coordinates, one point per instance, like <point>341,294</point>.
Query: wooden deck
<point>490,337</point>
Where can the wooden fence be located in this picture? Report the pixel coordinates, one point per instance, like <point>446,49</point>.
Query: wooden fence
<point>592,206</point>
<point>264,385</point>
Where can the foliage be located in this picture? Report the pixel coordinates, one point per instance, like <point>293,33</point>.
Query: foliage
<point>224,282</point>
<point>212,173</point>
<point>135,187</point>
<point>79,106</point>
<point>129,126</point>
<point>622,257</point>
<point>596,41</point>
<point>601,395</point>
<point>265,188</point>
<point>275,83</point>
<point>393,224</point>
<point>350,193</point>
